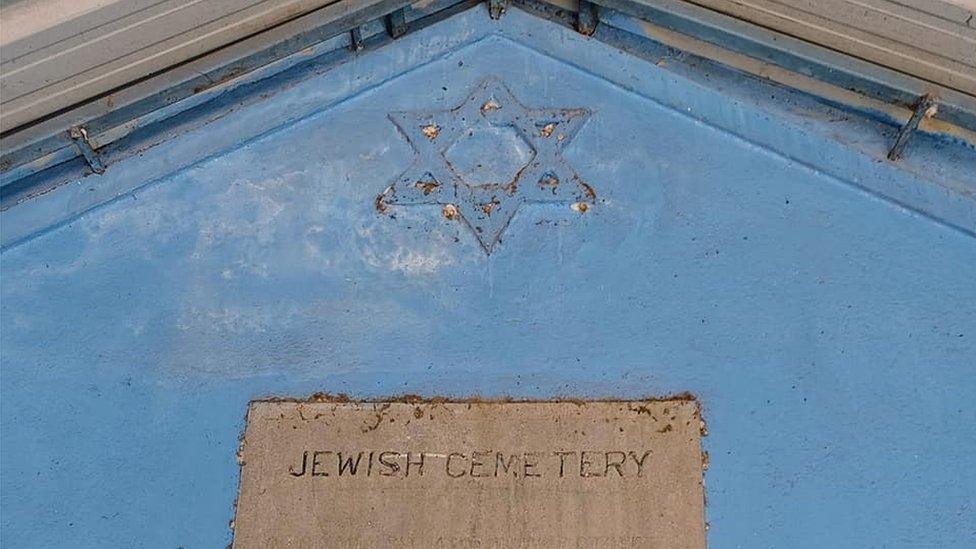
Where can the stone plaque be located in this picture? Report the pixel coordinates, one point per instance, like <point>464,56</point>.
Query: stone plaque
<point>472,474</point>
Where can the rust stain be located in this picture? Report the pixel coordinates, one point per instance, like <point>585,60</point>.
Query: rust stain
<point>549,180</point>
<point>329,397</point>
<point>490,105</point>
<point>427,187</point>
<point>431,131</point>
<point>588,190</point>
<point>413,398</point>
<point>488,207</point>
<point>547,130</point>
<point>380,202</point>
<point>450,211</point>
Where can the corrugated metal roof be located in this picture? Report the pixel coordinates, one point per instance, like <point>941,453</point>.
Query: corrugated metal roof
<point>57,54</point>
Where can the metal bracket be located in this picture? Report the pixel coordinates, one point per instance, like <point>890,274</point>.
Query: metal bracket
<point>396,23</point>
<point>925,107</point>
<point>356,42</point>
<point>496,8</point>
<point>80,137</point>
<point>586,17</point>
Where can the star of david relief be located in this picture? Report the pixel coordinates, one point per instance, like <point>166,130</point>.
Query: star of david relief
<point>484,159</point>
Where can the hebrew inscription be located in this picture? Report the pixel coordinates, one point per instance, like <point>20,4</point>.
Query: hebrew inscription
<point>479,474</point>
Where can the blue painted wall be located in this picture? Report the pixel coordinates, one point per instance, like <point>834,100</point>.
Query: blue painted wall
<point>830,334</point>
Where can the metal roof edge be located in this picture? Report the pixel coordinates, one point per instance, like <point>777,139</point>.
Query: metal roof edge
<point>830,75</point>
<point>134,135</point>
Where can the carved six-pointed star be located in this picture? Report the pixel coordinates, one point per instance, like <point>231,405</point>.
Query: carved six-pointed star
<point>483,159</point>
